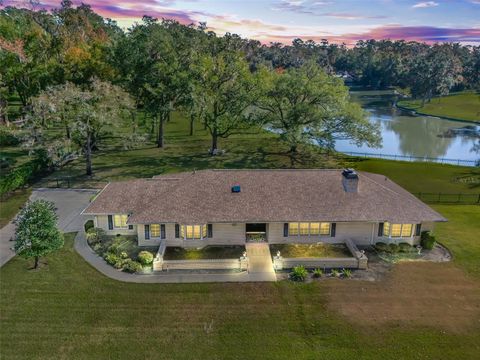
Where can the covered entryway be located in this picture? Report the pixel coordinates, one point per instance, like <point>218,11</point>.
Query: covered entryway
<point>256,232</point>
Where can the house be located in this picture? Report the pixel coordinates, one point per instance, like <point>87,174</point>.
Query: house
<point>229,207</point>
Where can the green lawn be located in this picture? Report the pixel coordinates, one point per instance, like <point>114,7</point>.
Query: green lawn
<point>460,106</point>
<point>69,310</point>
<point>461,234</point>
<point>12,204</point>
<point>311,250</point>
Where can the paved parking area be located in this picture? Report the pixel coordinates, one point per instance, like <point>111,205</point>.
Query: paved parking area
<point>68,202</point>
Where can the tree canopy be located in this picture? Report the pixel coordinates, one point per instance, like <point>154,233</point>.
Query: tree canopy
<point>37,234</point>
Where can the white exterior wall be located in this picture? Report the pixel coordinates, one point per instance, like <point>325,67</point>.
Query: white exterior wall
<point>101,221</point>
<point>361,233</point>
<point>223,234</point>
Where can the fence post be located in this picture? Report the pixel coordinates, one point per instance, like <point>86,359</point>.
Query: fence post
<point>439,194</point>
<point>57,183</point>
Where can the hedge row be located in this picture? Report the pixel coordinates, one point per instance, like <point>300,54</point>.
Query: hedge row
<point>25,173</point>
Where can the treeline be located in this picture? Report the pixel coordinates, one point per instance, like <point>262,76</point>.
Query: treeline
<point>75,70</point>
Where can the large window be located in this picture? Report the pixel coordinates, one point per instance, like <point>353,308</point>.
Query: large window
<point>120,221</point>
<point>155,230</point>
<point>293,229</point>
<point>397,230</point>
<point>306,229</point>
<point>193,231</point>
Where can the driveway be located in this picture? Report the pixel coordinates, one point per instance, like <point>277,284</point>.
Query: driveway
<point>68,202</point>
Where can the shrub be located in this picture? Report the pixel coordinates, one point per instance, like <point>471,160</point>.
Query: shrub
<point>98,247</point>
<point>405,247</point>
<point>88,225</point>
<point>121,263</point>
<point>95,235</point>
<point>380,246</point>
<point>317,273</point>
<point>6,162</point>
<point>111,258</point>
<point>145,257</point>
<point>23,174</point>
<point>124,255</point>
<point>427,240</point>
<point>393,248</point>
<point>7,138</point>
<point>335,273</point>
<point>116,246</point>
<point>299,273</point>
<point>132,266</point>
<point>347,273</point>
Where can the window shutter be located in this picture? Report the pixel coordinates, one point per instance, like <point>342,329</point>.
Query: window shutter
<point>418,229</point>
<point>285,230</point>
<point>110,222</point>
<point>333,229</point>
<point>380,229</point>
<point>130,227</point>
<point>209,230</point>
<point>177,231</point>
<point>147,232</point>
<point>162,231</point>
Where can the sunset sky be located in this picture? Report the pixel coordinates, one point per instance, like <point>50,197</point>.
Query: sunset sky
<point>283,20</point>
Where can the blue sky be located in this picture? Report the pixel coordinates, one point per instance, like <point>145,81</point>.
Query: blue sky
<point>282,20</point>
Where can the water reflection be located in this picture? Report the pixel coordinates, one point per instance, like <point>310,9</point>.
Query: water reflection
<point>404,134</point>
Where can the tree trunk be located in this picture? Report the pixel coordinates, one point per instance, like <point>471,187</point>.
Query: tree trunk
<point>192,124</point>
<point>214,147</point>
<point>160,137</point>
<point>291,155</point>
<point>36,263</point>
<point>67,131</point>
<point>88,155</point>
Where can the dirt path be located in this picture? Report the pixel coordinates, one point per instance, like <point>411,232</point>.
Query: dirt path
<point>412,294</point>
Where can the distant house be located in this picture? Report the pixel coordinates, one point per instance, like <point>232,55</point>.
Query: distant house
<point>226,207</point>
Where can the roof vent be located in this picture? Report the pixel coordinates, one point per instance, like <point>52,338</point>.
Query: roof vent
<point>236,188</point>
<point>350,180</point>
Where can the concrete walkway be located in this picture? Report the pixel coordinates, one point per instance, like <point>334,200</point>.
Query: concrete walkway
<point>98,263</point>
<point>68,202</point>
<point>260,261</point>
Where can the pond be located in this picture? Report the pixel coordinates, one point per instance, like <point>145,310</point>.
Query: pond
<point>416,136</point>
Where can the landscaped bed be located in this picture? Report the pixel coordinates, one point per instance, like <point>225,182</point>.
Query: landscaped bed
<point>311,250</point>
<point>122,252</point>
<point>208,252</point>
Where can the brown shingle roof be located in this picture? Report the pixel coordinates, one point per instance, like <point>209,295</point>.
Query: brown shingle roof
<point>266,196</point>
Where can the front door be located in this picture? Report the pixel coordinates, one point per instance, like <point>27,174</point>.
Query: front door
<point>256,232</point>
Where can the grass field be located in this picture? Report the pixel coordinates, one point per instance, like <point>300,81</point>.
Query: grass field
<point>460,106</point>
<point>12,204</point>
<point>420,311</point>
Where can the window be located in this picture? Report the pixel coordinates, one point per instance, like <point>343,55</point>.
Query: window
<point>314,228</point>
<point>120,221</point>
<point>193,231</point>
<point>155,230</point>
<point>406,230</point>
<point>386,229</point>
<point>397,230</point>
<point>324,228</point>
<point>305,229</point>
<point>293,229</point>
